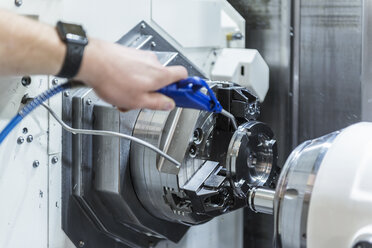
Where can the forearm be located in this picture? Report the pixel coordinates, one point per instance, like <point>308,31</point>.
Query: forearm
<point>28,47</point>
<point>125,77</point>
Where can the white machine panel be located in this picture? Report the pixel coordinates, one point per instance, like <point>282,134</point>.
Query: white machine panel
<point>341,199</point>
<point>245,67</point>
<point>196,21</point>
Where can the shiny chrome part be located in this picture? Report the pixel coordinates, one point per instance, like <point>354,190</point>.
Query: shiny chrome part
<point>293,192</point>
<point>20,140</point>
<point>18,3</point>
<point>30,138</point>
<point>149,198</point>
<point>110,134</point>
<point>54,160</point>
<point>175,137</point>
<point>252,154</point>
<point>36,164</point>
<point>363,240</point>
<point>261,200</point>
<point>173,132</point>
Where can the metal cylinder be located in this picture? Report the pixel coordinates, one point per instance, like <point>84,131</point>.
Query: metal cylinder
<point>261,200</point>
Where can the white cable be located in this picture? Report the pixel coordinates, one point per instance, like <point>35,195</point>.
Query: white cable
<point>110,134</point>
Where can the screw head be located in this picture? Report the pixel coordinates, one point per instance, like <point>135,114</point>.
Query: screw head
<point>54,160</point>
<point>81,243</point>
<point>26,81</point>
<point>66,93</point>
<point>36,164</point>
<point>192,151</point>
<point>143,26</point>
<point>25,130</point>
<point>20,140</point>
<point>55,81</point>
<point>153,44</point>
<point>18,3</point>
<point>30,138</point>
<point>89,101</point>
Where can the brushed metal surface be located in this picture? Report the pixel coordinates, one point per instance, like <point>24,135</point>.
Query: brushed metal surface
<point>330,66</point>
<point>367,62</point>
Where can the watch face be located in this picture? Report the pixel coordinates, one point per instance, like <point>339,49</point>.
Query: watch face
<point>73,33</point>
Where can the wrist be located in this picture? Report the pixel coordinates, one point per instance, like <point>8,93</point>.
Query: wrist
<point>89,64</point>
<point>75,39</point>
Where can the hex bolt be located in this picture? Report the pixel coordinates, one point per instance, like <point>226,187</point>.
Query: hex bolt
<point>89,101</point>
<point>20,140</point>
<point>81,243</point>
<point>54,81</point>
<point>18,3</point>
<point>54,160</point>
<point>36,164</point>
<point>26,81</point>
<point>66,93</point>
<point>30,138</point>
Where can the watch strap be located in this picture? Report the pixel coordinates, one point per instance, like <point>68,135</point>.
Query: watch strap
<point>73,59</point>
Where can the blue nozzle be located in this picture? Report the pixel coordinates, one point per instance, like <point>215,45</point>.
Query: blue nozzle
<point>186,94</point>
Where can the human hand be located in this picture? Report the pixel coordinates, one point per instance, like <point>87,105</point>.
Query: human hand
<point>126,77</point>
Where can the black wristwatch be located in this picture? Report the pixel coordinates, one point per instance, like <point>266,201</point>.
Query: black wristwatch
<point>75,38</point>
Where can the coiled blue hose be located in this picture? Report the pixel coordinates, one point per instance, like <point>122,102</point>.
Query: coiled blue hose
<point>36,102</point>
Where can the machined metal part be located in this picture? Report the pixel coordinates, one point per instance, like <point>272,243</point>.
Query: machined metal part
<point>363,244</point>
<point>252,153</point>
<point>126,195</point>
<point>293,192</point>
<point>198,189</point>
<point>261,200</point>
<point>290,201</point>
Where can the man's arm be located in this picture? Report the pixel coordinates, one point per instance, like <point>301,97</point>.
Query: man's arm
<point>122,76</point>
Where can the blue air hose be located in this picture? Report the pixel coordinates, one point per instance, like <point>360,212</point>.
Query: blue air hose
<point>36,102</point>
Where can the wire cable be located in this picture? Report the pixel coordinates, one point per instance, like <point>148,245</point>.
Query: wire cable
<point>231,117</point>
<point>110,134</point>
<point>34,103</point>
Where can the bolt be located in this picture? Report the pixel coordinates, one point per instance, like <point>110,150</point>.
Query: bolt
<point>55,81</point>
<point>54,160</point>
<point>20,140</point>
<point>66,94</point>
<point>25,130</point>
<point>36,164</point>
<point>143,26</point>
<point>192,151</point>
<point>153,44</point>
<point>81,243</point>
<point>89,101</point>
<point>18,3</point>
<point>26,81</point>
<point>198,136</point>
<point>30,138</point>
